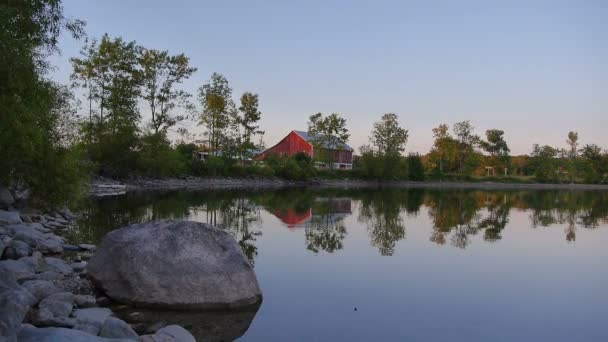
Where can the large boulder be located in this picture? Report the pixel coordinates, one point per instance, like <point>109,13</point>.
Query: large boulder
<point>174,264</point>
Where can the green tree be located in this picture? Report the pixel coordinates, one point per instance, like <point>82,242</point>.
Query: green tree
<point>388,136</point>
<point>32,108</point>
<point>444,153</point>
<point>467,141</point>
<point>544,161</point>
<point>161,73</point>
<point>330,133</point>
<point>218,111</point>
<point>415,168</point>
<point>111,67</point>
<point>497,147</point>
<point>248,122</point>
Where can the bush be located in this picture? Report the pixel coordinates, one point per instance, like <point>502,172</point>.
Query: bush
<point>415,168</point>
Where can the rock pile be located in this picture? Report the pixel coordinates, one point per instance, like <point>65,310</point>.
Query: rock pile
<point>45,298</point>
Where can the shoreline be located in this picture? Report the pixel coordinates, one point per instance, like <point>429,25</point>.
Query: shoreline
<point>222,183</point>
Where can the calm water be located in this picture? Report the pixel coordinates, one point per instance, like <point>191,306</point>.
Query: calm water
<point>440,265</point>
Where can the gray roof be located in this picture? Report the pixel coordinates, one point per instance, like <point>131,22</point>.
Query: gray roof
<point>312,138</point>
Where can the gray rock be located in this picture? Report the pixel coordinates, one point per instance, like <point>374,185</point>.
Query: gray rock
<point>30,333</point>
<point>36,261</point>
<point>117,328</point>
<point>87,246</point>
<point>85,301</point>
<point>98,315</point>
<point>71,248</point>
<point>92,328</point>
<point>21,249</point>
<point>174,264</point>
<point>170,333</point>
<point>57,265</point>
<point>15,302</point>
<point>6,198</point>
<point>58,308</point>
<point>67,297</point>
<point>44,318</point>
<point>41,288</point>
<point>47,275</point>
<point>79,266</point>
<point>9,217</point>
<point>18,269</point>
<point>50,245</point>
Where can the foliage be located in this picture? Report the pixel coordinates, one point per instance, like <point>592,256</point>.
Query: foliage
<point>157,158</point>
<point>161,73</point>
<point>34,110</point>
<point>218,111</point>
<point>329,131</point>
<point>415,168</point>
<point>248,122</point>
<point>388,137</point>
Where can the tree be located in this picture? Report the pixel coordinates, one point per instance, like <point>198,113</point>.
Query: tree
<point>329,133</point>
<point>467,141</point>
<point>248,121</point>
<point>32,108</point>
<point>388,136</point>
<point>497,147</point>
<point>218,110</point>
<point>573,143</point>
<point>445,149</point>
<point>544,162</point>
<point>111,67</point>
<point>161,73</point>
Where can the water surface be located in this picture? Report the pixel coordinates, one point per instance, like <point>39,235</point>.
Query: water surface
<point>395,265</point>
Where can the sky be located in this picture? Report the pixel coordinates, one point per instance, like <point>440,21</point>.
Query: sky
<point>535,69</point>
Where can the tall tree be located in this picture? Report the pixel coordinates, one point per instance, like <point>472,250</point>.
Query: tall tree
<point>388,136</point>
<point>445,148</point>
<point>218,110</point>
<point>161,74</point>
<point>573,143</point>
<point>248,121</point>
<point>31,106</point>
<point>111,67</point>
<point>329,133</point>
<point>467,140</point>
<point>496,146</point>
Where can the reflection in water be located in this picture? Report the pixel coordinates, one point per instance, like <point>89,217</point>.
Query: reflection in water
<point>331,219</point>
<point>456,215</point>
<point>204,326</point>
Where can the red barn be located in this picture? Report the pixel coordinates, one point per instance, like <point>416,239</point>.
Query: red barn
<point>300,141</point>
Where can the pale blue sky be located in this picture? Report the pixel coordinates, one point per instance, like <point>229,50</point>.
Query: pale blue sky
<point>535,69</point>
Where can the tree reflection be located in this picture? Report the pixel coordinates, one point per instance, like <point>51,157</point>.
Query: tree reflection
<point>456,215</point>
<point>325,231</point>
<point>382,212</point>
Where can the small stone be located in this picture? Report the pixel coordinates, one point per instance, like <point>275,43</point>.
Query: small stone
<point>67,297</point>
<point>71,248</point>
<point>116,328</point>
<point>21,248</point>
<point>78,266</point>
<point>6,198</point>
<point>41,288</point>
<point>47,275</point>
<point>85,301</point>
<point>57,307</point>
<point>98,315</point>
<point>87,247</point>
<point>18,269</point>
<point>88,326</point>
<point>173,333</point>
<point>9,217</point>
<point>57,265</point>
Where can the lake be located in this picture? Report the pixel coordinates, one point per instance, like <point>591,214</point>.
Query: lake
<point>397,264</point>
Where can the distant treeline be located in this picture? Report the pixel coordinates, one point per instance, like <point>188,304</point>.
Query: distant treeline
<point>52,136</point>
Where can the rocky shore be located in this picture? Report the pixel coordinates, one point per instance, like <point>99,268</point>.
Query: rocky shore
<point>221,183</point>
<point>44,291</point>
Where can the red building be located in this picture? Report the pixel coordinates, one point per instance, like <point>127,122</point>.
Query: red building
<point>299,141</point>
